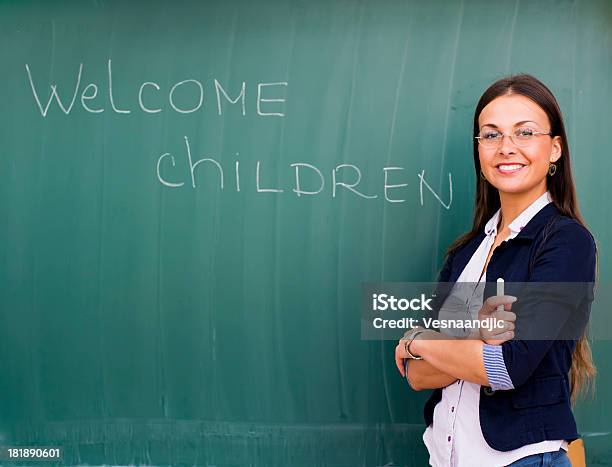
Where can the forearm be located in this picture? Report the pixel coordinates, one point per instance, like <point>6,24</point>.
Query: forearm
<point>459,359</point>
<point>422,375</point>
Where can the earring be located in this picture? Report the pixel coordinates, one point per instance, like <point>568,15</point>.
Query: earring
<point>482,176</point>
<point>552,169</point>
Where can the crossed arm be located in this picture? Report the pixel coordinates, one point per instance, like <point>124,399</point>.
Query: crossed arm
<point>421,374</point>
<point>446,359</point>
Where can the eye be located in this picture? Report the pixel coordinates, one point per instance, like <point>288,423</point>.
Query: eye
<point>524,132</point>
<point>490,134</point>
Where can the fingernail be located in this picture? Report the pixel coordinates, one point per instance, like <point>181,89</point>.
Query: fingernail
<point>512,299</point>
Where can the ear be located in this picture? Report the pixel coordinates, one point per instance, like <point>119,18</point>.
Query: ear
<point>555,153</point>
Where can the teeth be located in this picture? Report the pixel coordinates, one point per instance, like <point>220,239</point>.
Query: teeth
<point>510,167</point>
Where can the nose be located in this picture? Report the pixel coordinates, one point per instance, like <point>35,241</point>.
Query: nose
<point>506,145</point>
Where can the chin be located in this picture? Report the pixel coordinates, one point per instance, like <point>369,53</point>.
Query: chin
<point>514,191</point>
<point>514,188</point>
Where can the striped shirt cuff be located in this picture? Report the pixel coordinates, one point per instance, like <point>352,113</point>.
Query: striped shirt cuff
<point>494,364</point>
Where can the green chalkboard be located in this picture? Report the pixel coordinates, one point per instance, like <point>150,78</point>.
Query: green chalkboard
<point>193,192</point>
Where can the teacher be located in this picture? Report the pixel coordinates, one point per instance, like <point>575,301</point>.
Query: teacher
<point>500,400</point>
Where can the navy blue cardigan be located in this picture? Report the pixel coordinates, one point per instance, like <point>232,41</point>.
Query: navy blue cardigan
<point>550,248</point>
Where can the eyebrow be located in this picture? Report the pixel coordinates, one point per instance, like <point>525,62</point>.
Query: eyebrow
<point>516,124</point>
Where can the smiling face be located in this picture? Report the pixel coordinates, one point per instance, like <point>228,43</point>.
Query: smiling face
<point>511,168</point>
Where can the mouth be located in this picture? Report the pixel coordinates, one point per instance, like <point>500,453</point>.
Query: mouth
<point>509,168</point>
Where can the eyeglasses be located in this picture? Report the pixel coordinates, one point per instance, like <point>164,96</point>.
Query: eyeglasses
<point>520,137</point>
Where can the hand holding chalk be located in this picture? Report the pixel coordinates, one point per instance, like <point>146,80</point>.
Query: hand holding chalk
<point>500,319</point>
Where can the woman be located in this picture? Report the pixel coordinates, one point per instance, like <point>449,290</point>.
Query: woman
<point>499,400</point>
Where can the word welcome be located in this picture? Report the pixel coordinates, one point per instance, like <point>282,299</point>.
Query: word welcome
<point>148,92</point>
<point>174,177</point>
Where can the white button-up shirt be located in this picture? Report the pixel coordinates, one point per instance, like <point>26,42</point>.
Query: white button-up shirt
<point>455,437</point>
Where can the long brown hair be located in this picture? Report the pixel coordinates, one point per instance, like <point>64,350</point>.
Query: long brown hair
<point>561,188</point>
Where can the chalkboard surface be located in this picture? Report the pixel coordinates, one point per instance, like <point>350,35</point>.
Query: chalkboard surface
<point>193,192</point>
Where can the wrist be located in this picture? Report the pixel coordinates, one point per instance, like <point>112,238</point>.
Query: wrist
<point>419,342</point>
<point>408,339</point>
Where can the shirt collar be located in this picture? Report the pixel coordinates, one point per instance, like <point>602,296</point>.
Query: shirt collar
<point>521,220</point>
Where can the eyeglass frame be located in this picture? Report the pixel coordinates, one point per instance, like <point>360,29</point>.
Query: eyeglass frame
<point>511,136</point>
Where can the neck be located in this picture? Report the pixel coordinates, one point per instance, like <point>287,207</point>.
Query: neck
<point>512,204</point>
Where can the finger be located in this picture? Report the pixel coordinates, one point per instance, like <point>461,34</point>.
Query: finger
<point>399,363</point>
<point>500,329</point>
<point>509,335</point>
<point>500,339</point>
<point>495,300</point>
<point>497,334</point>
<point>491,303</point>
<point>399,360</point>
<point>504,316</point>
<point>505,336</point>
<point>495,326</point>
